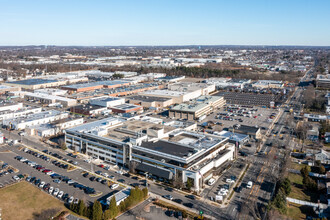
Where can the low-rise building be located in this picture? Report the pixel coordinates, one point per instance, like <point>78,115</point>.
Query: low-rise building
<point>204,105</point>
<point>4,115</point>
<point>45,98</point>
<point>53,128</point>
<point>126,108</point>
<point>91,110</point>
<point>150,101</point>
<point>5,89</point>
<point>107,101</point>
<point>262,84</point>
<point>252,131</point>
<point>35,119</point>
<point>10,106</point>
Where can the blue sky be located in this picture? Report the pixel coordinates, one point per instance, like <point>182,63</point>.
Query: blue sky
<point>165,22</point>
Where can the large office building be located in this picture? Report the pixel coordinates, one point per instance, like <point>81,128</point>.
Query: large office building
<point>323,81</point>
<point>194,110</point>
<point>10,106</point>
<point>165,152</point>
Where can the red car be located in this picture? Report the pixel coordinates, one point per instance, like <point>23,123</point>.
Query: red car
<point>101,165</point>
<point>40,168</point>
<point>46,171</point>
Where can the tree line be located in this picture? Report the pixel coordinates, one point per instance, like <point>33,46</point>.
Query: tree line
<point>95,211</point>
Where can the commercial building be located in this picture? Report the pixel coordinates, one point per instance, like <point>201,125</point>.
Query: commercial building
<point>262,84</point>
<point>251,131</point>
<point>8,114</point>
<point>221,83</point>
<point>91,110</point>
<point>170,79</point>
<point>107,101</point>
<point>198,88</point>
<point>5,89</point>
<point>126,108</point>
<point>176,96</point>
<point>164,152</point>
<point>45,98</point>
<point>55,92</point>
<point>150,101</point>
<point>39,83</point>
<point>35,119</point>
<point>96,85</point>
<point>53,128</point>
<point>9,106</point>
<point>323,81</point>
<point>204,105</point>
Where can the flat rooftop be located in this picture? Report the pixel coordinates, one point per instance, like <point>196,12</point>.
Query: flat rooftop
<point>149,98</point>
<point>106,99</point>
<point>126,107</point>
<point>198,104</point>
<point>33,81</point>
<point>93,84</point>
<point>164,92</point>
<point>183,143</point>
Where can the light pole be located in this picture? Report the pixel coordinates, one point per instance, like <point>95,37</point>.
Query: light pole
<point>146,173</point>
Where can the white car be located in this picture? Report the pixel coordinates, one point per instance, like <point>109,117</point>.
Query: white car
<point>51,189</point>
<point>249,185</point>
<point>76,201</point>
<point>42,184</point>
<point>50,173</point>
<point>56,191</point>
<point>16,178</point>
<point>120,172</point>
<point>114,186</point>
<point>229,180</point>
<point>105,174</point>
<point>60,194</point>
<point>70,200</point>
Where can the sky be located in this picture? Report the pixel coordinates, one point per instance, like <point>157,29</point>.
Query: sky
<point>164,22</point>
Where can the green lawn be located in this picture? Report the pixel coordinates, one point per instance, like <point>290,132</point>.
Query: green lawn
<point>298,191</point>
<point>295,178</point>
<point>298,212</point>
<point>297,166</point>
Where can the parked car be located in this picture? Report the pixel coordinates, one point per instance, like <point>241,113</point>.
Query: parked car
<point>60,194</point>
<point>56,191</point>
<point>70,200</point>
<point>169,197</point>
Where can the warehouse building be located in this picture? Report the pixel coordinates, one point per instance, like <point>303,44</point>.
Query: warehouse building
<point>127,108</point>
<point>204,105</point>
<point>96,85</point>
<point>4,115</point>
<point>164,152</point>
<point>91,110</point>
<point>45,98</point>
<point>263,84</point>
<point>197,88</point>
<point>150,101</point>
<point>9,106</point>
<point>107,101</point>
<point>5,89</point>
<point>35,119</point>
<point>177,96</point>
<point>53,128</point>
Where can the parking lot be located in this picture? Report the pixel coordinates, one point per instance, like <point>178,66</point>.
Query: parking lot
<point>230,115</point>
<point>226,182</point>
<point>71,182</point>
